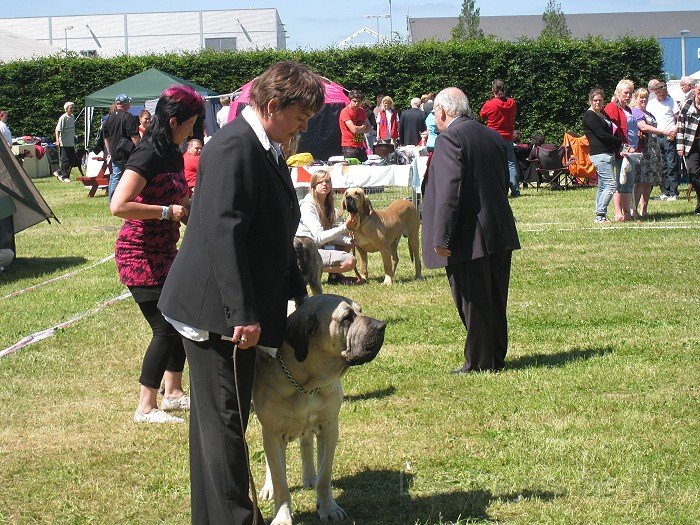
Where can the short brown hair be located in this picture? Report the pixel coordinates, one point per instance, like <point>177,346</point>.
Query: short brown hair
<point>290,83</point>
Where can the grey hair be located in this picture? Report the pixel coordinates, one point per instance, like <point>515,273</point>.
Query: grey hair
<point>687,80</point>
<point>67,105</point>
<point>415,102</point>
<point>454,102</point>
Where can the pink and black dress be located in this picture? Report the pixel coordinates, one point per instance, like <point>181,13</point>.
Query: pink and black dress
<point>145,249</point>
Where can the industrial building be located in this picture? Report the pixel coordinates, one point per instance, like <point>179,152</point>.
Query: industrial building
<point>675,30</point>
<point>110,35</point>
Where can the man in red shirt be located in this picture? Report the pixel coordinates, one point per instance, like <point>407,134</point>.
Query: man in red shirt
<point>353,126</point>
<point>499,115</point>
<point>191,158</point>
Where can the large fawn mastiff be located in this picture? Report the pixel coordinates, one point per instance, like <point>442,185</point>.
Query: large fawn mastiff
<point>381,230</point>
<point>298,394</point>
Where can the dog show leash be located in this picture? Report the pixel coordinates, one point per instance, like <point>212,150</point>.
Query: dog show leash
<point>254,494</point>
<point>294,381</point>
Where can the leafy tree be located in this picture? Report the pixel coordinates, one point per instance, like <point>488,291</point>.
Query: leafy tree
<point>468,22</point>
<point>554,22</point>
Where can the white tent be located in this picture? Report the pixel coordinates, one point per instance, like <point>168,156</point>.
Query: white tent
<point>15,47</point>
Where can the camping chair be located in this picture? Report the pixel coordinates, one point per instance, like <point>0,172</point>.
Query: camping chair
<point>552,166</point>
<point>581,168</point>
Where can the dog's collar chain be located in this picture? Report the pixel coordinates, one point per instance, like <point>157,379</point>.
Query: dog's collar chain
<point>294,381</point>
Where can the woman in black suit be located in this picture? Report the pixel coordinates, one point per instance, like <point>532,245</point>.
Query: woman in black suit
<point>232,279</point>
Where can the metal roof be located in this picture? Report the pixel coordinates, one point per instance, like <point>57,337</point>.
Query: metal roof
<point>608,25</point>
<point>15,47</point>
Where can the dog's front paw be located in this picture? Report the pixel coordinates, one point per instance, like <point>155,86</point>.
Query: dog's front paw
<point>266,493</point>
<point>388,281</point>
<point>331,512</point>
<point>284,516</point>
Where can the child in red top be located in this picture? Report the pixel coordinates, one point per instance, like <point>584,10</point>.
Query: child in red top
<point>191,157</point>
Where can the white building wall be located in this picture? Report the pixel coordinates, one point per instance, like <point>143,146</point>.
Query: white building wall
<point>145,33</point>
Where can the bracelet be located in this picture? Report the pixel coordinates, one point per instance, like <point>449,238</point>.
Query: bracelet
<point>164,214</point>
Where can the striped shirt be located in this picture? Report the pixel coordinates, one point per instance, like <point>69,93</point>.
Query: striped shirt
<point>688,123</point>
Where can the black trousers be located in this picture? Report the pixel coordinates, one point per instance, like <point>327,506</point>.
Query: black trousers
<point>67,159</point>
<point>480,292</point>
<point>165,351</point>
<point>218,469</point>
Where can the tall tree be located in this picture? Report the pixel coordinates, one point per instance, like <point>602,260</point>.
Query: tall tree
<point>468,22</point>
<point>554,21</point>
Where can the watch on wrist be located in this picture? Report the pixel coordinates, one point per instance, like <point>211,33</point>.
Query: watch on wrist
<point>164,214</point>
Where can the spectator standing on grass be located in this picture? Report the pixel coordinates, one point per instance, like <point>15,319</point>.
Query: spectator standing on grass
<point>144,119</point>
<point>353,126</point>
<point>191,159</point>
<point>665,112</point>
<point>152,199</point>
<point>412,124</point>
<point>120,129</point>
<point>604,145</point>
<point>468,227</point>
<point>4,128</point>
<point>229,285</point>
<point>688,141</point>
<point>65,140</point>
<point>625,126</point>
<point>222,114</point>
<point>650,168</point>
<point>499,114</point>
<point>387,122</point>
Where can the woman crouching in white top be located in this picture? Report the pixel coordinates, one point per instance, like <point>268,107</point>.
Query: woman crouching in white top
<point>318,223</point>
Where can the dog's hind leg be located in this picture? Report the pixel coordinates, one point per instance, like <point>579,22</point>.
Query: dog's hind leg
<point>414,251</point>
<point>326,441</point>
<point>308,469</point>
<point>395,253</point>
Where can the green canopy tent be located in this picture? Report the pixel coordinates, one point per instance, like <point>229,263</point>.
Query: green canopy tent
<point>143,87</point>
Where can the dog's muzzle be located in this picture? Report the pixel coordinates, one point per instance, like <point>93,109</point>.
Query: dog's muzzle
<point>365,340</point>
<point>350,204</point>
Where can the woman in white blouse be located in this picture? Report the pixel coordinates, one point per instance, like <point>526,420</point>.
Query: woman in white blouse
<point>318,223</point>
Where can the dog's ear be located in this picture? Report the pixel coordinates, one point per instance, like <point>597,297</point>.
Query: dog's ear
<point>342,205</point>
<point>298,335</point>
<point>368,204</point>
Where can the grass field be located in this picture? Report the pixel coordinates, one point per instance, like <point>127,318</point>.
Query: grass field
<point>594,420</point>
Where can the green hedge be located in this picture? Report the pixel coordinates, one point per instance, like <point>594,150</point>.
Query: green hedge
<point>550,79</point>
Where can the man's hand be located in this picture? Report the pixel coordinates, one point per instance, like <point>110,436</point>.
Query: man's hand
<point>443,251</point>
<point>247,335</point>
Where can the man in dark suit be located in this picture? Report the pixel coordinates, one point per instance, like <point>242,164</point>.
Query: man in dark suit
<point>412,123</point>
<point>232,278</point>
<point>468,227</point>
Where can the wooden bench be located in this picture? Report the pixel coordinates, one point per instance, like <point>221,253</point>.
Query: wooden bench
<point>101,182</point>
<point>95,183</point>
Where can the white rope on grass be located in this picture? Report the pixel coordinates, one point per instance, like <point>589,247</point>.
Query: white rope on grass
<point>613,229</point>
<point>59,278</point>
<point>44,334</point>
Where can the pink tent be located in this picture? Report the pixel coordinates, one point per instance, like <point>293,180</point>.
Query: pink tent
<point>322,138</point>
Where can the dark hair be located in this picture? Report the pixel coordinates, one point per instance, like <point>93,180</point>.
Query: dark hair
<point>180,102</point>
<point>596,91</point>
<point>537,139</point>
<point>290,83</point>
<point>499,88</point>
<point>354,94</point>
<point>144,112</point>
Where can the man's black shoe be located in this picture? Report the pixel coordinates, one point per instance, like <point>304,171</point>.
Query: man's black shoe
<point>460,371</point>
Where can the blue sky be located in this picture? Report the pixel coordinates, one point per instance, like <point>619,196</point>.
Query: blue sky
<point>313,24</point>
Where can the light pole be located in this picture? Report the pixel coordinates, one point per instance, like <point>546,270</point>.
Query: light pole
<point>65,32</point>
<point>377,17</point>
<point>391,25</point>
<point>683,33</point>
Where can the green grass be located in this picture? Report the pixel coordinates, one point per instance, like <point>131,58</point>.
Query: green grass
<point>594,421</point>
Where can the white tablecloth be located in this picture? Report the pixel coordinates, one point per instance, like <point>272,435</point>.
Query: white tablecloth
<point>368,176</point>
